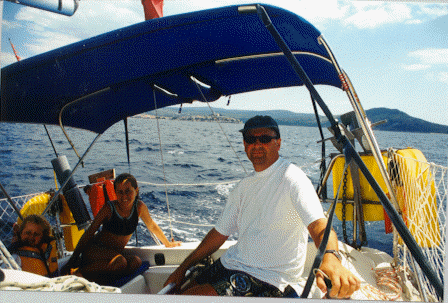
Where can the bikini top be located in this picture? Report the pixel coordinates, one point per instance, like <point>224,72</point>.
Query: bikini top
<point>121,226</point>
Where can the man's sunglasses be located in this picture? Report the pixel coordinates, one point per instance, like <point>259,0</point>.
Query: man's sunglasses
<point>264,139</point>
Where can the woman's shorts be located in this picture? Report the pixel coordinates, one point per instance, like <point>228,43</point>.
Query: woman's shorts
<point>235,283</point>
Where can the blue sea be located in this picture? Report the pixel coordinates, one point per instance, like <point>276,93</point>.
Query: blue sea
<point>206,155</point>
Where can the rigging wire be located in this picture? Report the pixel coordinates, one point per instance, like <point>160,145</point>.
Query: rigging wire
<point>220,126</point>
<point>163,164</point>
<point>51,141</point>
<point>125,120</point>
<point>126,131</point>
<point>323,168</point>
<point>165,183</point>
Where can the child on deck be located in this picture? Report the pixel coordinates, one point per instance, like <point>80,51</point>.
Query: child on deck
<point>103,256</point>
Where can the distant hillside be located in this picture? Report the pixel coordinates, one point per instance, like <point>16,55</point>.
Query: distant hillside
<point>399,121</point>
<point>396,120</point>
<point>283,117</point>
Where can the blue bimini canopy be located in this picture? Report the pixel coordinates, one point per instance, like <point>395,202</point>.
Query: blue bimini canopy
<point>93,84</point>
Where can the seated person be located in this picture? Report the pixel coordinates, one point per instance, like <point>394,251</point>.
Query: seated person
<point>273,211</point>
<point>103,257</point>
<point>33,247</point>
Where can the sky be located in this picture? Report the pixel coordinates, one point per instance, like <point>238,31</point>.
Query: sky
<point>395,52</point>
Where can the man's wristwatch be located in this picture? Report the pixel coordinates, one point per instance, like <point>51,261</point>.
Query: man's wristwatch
<point>334,252</point>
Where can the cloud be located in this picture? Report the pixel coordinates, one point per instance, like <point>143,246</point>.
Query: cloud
<point>414,21</point>
<point>442,77</point>
<point>435,10</point>
<point>111,15</point>
<point>50,40</point>
<point>431,56</point>
<point>44,31</point>
<point>415,67</point>
<point>437,77</point>
<point>361,14</point>
<point>314,11</point>
<point>372,15</point>
<point>311,10</point>
<point>430,59</point>
<point>35,17</point>
<point>7,58</point>
<point>368,14</point>
<point>8,25</point>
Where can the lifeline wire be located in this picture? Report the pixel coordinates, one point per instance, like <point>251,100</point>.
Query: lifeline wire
<point>182,222</point>
<point>190,184</point>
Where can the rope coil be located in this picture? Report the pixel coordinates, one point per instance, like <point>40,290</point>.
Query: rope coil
<point>60,284</point>
<point>388,279</point>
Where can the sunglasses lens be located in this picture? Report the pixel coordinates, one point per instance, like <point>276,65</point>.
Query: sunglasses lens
<point>250,139</point>
<point>263,139</point>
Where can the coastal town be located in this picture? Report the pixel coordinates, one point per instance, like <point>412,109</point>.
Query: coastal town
<point>195,118</point>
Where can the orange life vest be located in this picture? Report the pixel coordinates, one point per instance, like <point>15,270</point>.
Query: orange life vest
<point>100,193</point>
<point>42,261</point>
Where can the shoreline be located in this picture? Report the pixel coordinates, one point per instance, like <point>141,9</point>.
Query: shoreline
<point>194,118</point>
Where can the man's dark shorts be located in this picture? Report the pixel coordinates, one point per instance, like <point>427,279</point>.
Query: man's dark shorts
<point>235,283</point>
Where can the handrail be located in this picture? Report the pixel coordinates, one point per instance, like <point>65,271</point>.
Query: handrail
<point>69,104</point>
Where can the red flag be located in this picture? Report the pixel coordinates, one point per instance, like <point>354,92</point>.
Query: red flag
<point>153,9</point>
<point>14,50</point>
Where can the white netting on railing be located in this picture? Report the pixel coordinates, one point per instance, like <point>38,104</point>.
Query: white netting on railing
<point>421,192</point>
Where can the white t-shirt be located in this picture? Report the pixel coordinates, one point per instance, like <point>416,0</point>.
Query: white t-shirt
<point>270,212</point>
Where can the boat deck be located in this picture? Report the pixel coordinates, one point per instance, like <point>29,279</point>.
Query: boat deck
<point>152,280</point>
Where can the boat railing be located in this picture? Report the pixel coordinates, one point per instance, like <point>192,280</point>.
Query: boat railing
<point>423,199</point>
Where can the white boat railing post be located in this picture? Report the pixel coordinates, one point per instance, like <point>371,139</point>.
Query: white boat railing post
<point>171,286</point>
<point>166,289</point>
<point>7,258</point>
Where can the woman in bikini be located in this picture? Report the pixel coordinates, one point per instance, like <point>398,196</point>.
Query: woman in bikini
<point>103,257</point>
